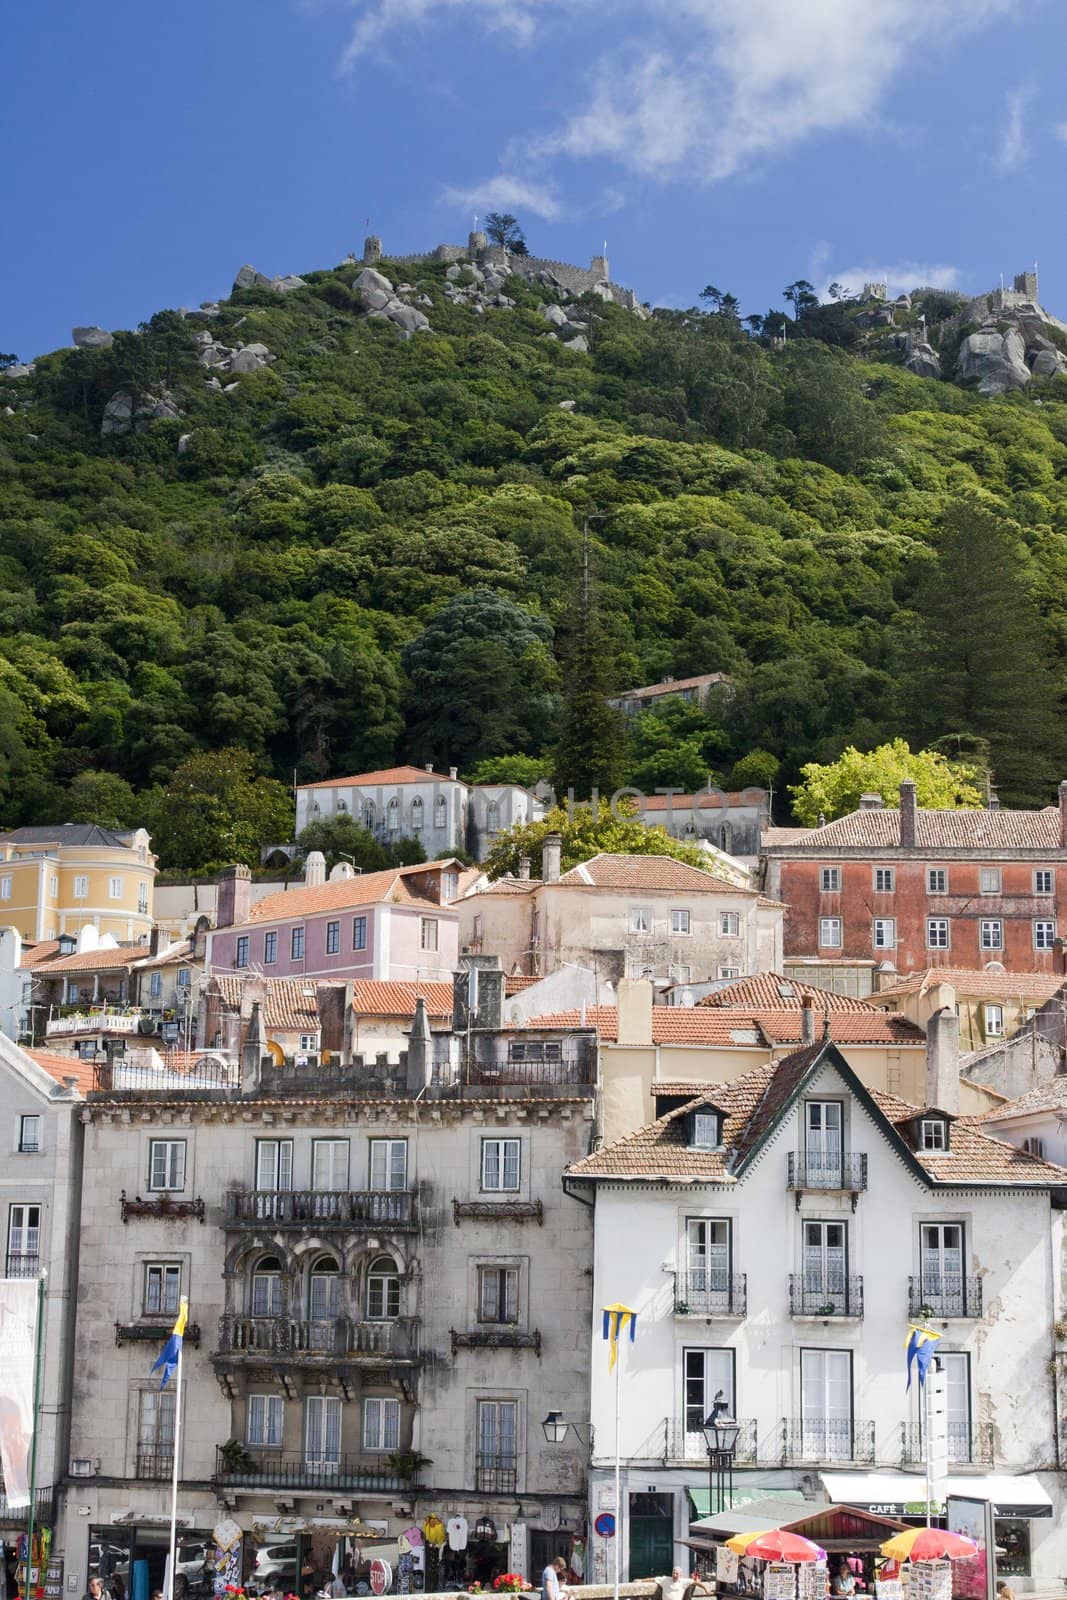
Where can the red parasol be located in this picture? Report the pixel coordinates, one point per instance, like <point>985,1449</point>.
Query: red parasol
<point>929,1544</point>
<point>781,1545</point>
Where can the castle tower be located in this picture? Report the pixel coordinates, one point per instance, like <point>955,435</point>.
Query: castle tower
<point>477,244</point>
<point>1026,284</point>
<point>598,266</point>
<point>372,250</point>
<point>875,291</point>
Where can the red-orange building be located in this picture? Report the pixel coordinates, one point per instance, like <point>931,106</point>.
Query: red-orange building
<point>909,888</point>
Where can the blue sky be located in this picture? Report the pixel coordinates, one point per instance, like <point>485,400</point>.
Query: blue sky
<point>151,149</point>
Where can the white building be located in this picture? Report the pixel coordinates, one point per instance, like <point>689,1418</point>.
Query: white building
<point>775,1235</point>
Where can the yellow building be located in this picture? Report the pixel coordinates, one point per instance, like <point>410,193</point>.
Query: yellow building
<point>991,1003</point>
<point>68,876</point>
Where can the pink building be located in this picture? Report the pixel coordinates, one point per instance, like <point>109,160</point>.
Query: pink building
<point>397,924</point>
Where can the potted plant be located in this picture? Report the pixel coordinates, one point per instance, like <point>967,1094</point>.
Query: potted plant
<point>510,1583</point>
<point>407,1464</point>
<point>235,1458</point>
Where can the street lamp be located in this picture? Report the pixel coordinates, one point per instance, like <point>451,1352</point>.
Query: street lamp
<point>720,1437</point>
<point>556,1428</point>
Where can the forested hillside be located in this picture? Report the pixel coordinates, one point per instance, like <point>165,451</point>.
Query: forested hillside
<point>365,550</point>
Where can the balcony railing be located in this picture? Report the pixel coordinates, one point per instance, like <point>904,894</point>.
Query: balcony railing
<point>835,1173</point>
<point>945,1297</point>
<point>820,1439</point>
<point>105,1020</point>
<point>685,1444</point>
<point>814,1296</point>
<point>15,1516</point>
<point>209,1075</point>
<point>333,1337</point>
<point>522,1065</point>
<point>154,1464</point>
<point>967,1445</point>
<point>710,1294</point>
<point>21,1264</point>
<point>276,1469</point>
<point>320,1208</point>
<point>496,1474</point>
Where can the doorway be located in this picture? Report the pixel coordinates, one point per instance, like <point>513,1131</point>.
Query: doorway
<point>651,1535</point>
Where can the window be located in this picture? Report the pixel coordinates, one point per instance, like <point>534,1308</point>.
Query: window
<point>824,1144</point>
<point>322,1431</point>
<point>729,972</point>
<point>501,1164</point>
<point>679,921</point>
<point>53,885</point>
<point>705,1130</point>
<point>994,1021</point>
<point>162,1289</point>
<point>333,938</point>
<point>274,1165</point>
<point>730,923</point>
<point>240,955</point>
<point>155,1432</point>
<point>933,1134</point>
<point>885,933</point>
<point>830,932</point>
<point>166,1164</point>
<point>937,933</point>
<point>142,899</point>
<point>114,888</point>
<point>681,972</point>
<point>1044,935</point>
<point>936,880</point>
<point>392,815</point>
<point>956,1365</point>
<point>264,1425</point>
<point>185,976</point>
<point>826,1404</point>
<point>496,1467</point>
<point>1034,1146</point>
<point>388,1164</point>
<point>492,818</point>
<point>1043,882</point>
<point>427,933</point>
<point>941,1267</point>
<point>155,985</point>
<point>825,1267</point>
<point>369,815</point>
<point>884,880</point>
<point>991,933</point>
<point>416,815</point>
<point>296,944</point>
<point>449,887</point>
<point>381,1424</point>
<point>640,919</point>
<point>73,991</point>
<point>267,1288</point>
<point>270,949</point>
<point>707,1280</point>
<point>830,880</point>
<point>329,1164</point>
<point>81,886</point>
<point>498,1294</point>
<point>324,1290</point>
<point>23,1241</point>
<point>29,1135</point>
<point>383,1289</point>
<point>5,886</point>
<point>359,933</point>
<point>440,812</point>
<point>705,1373</point>
<point>989,880</point>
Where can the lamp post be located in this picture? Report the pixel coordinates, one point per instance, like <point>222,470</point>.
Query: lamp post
<point>720,1437</point>
<point>556,1428</point>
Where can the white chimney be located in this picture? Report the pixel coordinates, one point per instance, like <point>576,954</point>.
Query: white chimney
<point>551,855</point>
<point>314,869</point>
<point>943,1061</point>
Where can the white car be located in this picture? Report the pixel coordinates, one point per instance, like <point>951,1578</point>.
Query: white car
<point>275,1561</point>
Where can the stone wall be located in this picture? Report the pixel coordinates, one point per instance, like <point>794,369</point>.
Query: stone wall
<point>574,280</point>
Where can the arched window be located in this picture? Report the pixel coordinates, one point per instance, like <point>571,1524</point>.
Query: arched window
<point>342,805</point>
<point>416,815</point>
<point>383,1289</point>
<point>369,814</point>
<point>440,812</point>
<point>492,817</point>
<point>267,1288</point>
<point>724,837</point>
<point>324,1290</point>
<point>392,818</point>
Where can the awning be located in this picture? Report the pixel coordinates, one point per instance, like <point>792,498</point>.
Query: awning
<point>750,1509</point>
<point>902,1494</point>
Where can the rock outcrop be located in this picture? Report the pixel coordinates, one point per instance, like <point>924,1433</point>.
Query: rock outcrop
<point>122,415</point>
<point>995,359</point>
<point>923,360</point>
<point>250,278</point>
<point>92,338</point>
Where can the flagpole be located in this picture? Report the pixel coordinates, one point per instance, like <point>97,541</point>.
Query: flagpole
<point>618,1474</point>
<point>929,1448</point>
<point>38,1360</point>
<point>174,1476</point>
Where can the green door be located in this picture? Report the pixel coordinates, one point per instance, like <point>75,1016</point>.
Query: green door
<point>651,1535</point>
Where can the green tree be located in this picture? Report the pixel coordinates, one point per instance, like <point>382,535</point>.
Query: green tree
<point>341,838</point>
<point>216,809</point>
<point>801,296</point>
<point>103,798</point>
<point>835,789</point>
<point>524,770</point>
<point>591,751</point>
<point>758,769</point>
<point>502,230</point>
<point>587,833</point>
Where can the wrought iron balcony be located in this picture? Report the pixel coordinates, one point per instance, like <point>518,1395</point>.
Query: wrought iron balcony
<point>710,1294</point>
<point>496,1474</point>
<point>500,1337</point>
<point>155,1332</point>
<point>685,1444</point>
<point>967,1445</point>
<point>812,1295</point>
<point>326,1339</point>
<point>840,1173</point>
<point>22,1264</point>
<point>154,1464</point>
<point>320,1208</point>
<point>945,1297</point>
<point>278,1469</point>
<point>164,1207</point>
<point>15,1516</point>
<point>823,1440</point>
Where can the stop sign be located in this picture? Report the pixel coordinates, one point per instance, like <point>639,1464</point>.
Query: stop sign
<point>381,1576</point>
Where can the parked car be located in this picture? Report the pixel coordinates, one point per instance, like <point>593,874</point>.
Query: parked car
<point>275,1561</point>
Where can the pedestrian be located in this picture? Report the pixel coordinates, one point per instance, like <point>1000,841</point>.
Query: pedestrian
<point>1004,1590</point>
<point>676,1587</point>
<point>551,1586</point>
<point>95,1591</point>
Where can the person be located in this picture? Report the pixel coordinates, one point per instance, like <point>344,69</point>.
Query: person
<point>551,1587</point>
<point>842,1583</point>
<point>676,1587</point>
<point>1004,1590</point>
<point>95,1591</point>
<point>336,1587</point>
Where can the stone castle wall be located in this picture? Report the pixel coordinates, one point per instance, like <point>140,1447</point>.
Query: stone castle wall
<point>572,279</point>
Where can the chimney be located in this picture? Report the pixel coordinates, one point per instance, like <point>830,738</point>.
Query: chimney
<point>993,803</point>
<point>634,1013</point>
<point>314,869</point>
<point>807,1021</point>
<point>1063,814</point>
<point>420,1050</point>
<point>234,896</point>
<point>871,802</point>
<point>907,814</point>
<point>343,872</point>
<point>524,868</point>
<point>477,993</point>
<point>253,1050</point>
<point>156,940</point>
<point>453,773</point>
<point>551,851</point>
<point>429,766</point>
<point>943,1061</point>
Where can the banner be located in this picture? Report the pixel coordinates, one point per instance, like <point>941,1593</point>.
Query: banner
<point>18,1324</point>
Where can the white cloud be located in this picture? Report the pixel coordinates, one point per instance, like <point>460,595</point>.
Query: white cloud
<point>1014,149</point>
<point>506,193</point>
<point>901,277</point>
<point>1060,130</point>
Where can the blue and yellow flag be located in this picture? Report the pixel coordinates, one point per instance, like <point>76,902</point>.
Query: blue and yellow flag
<point>616,1319</point>
<point>920,1350</point>
<point>168,1356</point>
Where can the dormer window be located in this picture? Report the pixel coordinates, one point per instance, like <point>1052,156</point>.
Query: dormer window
<point>705,1130</point>
<point>933,1134</point>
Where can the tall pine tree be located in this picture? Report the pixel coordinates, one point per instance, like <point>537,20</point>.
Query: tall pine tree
<point>592,749</point>
<point>981,667</point>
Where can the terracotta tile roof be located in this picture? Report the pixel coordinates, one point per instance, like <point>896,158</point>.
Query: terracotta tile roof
<point>387,775</point>
<point>652,691</point>
<point>370,888</point>
<point>182,950</point>
<point>371,997</point>
<point>974,1155</point>
<point>286,1009</point>
<point>773,836</point>
<point>34,953</point>
<point>125,956</point>
<point>514,984</point>
<point>1050,1096</point>
<point>60,1067</point>
<point>938,830</point>
<point>772,990</point>
<point>507,886</point>
<point>710,800</point>
<point>1035,986</point>
<point>647,873</point>
<point>748,1026</point>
